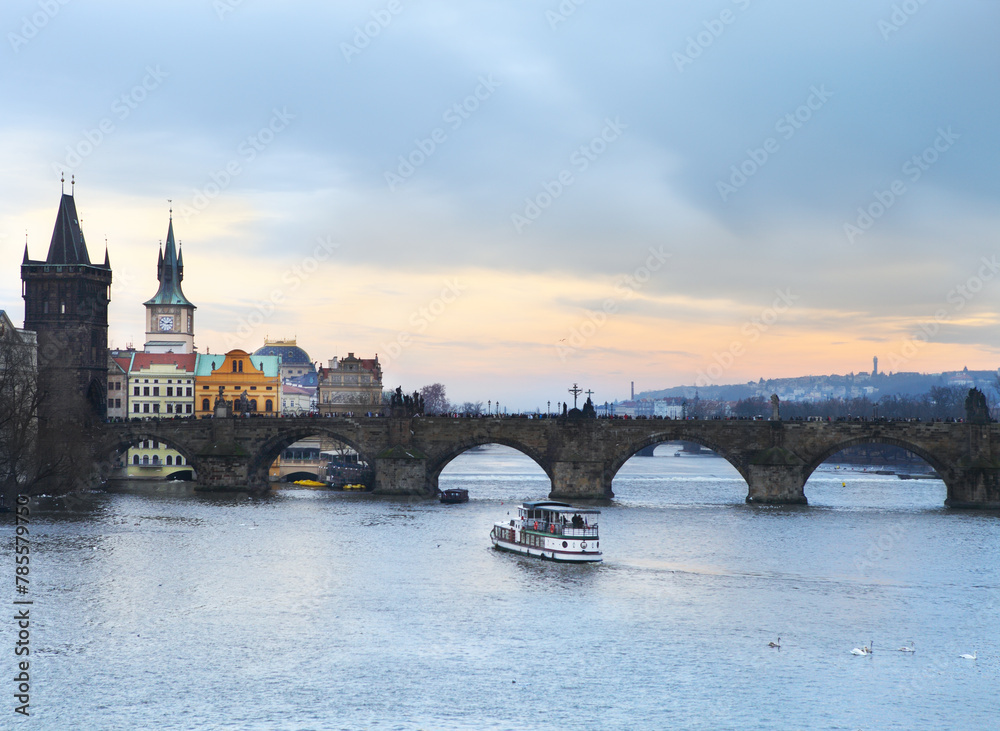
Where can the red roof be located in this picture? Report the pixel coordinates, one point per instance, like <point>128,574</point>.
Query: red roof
<point>183,361</point>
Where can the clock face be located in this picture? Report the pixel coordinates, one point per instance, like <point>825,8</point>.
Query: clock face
<point>166,322</point>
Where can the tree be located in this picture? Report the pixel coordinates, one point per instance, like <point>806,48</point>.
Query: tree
<point>435,400</point>
<point>20,469</point>
<point>471,408</point>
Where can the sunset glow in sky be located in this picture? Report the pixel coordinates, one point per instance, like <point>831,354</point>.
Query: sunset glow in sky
<point>509,197</point>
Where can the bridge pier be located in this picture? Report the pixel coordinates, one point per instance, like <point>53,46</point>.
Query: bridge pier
<point>402,470</point>
<point>776,476</point>
<point>974,487</point>
<point>580,481</point>
<point>224,473</point>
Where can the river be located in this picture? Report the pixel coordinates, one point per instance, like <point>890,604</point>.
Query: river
<point>155,608</point>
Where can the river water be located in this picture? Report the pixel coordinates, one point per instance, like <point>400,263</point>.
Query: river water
<point>155,608</point>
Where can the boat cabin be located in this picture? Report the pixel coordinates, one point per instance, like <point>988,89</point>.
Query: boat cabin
<point>561,518</point>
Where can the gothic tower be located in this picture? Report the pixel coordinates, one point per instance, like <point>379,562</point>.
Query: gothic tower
<point>66,302</point>
<point>169,315</point>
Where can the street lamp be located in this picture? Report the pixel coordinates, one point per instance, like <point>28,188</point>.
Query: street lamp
<point>548,408</point>
<point>489,407</point>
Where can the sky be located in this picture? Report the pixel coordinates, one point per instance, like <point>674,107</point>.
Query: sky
<point>512,197</point>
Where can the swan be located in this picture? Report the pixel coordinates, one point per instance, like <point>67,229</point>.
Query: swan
<point>866,650</point>
<point>967,656</point>
<point>775,644</point>
<point>907,648</point>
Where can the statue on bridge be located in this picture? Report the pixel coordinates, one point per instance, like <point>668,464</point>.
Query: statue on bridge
<point>404,405</point>
<point>977,411</point>
<point>775,402</point>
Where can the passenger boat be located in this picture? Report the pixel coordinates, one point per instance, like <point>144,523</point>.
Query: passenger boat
<point>455,495</point>
<point>551,530</point>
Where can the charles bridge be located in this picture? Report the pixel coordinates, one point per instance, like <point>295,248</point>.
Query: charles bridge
<point>580,456</point>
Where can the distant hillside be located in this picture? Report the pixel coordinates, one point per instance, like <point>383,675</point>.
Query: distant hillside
<point>817,388</point>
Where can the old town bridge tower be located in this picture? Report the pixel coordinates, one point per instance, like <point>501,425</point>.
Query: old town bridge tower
<point>66,302</point>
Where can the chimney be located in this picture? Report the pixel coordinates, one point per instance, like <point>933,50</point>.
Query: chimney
<point>633,390</point>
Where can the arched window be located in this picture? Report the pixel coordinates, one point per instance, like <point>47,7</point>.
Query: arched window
<point>135,459</point>
<point>156,459</point>
<point>253,404</point>
<point>170,460</point>
<point>180,460</point>
<point>268,405</point>
<point>204,404</point>
<point>241,366</point>
<point>145,459</point>
<point>234,366</point>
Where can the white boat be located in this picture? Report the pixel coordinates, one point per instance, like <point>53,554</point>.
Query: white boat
<point>551,530</point>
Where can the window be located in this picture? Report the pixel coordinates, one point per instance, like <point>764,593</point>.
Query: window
<point>170,408</point>
<point>145,391</point>
<point>156,390</point>
<point>188,392</point>
<point>253,404</point>
<point>145,408</point>
<point>241,366</point>
<point>156,459</point>
<point>136,392</point>
<point>135,459</point>
<point>118,403</point>
<point>111,403</point>
<point>180,460</point>
<point>269,405</point>
<point>135,408</point>
<point>234,366</point>
<point>145,459</point>
<point>253,388</point>
<point>188,408</point>
<point>156,408</point>
<point>204,388</point>
<point>269,388</point>
<point>170,390</point>
<point>170,460</point>
<point>204,403</point>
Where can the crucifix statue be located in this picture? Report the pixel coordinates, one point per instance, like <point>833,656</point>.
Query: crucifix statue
<point>576,391</point>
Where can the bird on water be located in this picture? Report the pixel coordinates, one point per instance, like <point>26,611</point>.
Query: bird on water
<point>866,650</point>
<point>775,644</point>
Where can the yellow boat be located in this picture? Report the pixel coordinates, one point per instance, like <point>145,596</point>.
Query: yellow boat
<point>309,483</point>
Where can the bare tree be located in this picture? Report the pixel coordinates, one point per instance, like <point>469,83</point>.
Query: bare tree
<point>471,408</point>
<point>20,467</point>
<point>435,400</point>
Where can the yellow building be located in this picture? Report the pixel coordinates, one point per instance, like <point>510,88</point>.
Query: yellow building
<point>159,386</point>
<point>253,380</point>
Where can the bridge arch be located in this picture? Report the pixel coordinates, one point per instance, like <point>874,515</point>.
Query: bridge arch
<point>678,435</point>
<point>941,467</point>
<point>438,462</point>
<point>271,448</point>
<point>119,442</point>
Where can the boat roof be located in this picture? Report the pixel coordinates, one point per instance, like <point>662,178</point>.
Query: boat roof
<point>556,507</point>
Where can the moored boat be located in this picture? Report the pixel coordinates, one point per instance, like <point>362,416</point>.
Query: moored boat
<point>551,530</point>
<point>455,495</point>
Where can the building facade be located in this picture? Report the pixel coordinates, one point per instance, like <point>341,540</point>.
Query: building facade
<point>350,385</point>
<point>251,382</point>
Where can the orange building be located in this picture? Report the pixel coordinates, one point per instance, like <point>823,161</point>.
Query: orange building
<point>238,373</point>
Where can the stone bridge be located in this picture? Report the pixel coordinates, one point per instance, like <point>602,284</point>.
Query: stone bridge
<point>580,456</point>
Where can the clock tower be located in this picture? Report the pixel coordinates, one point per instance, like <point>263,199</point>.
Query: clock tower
<point>169,315</point>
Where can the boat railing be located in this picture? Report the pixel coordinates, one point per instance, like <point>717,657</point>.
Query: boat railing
<point>589,531</point>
